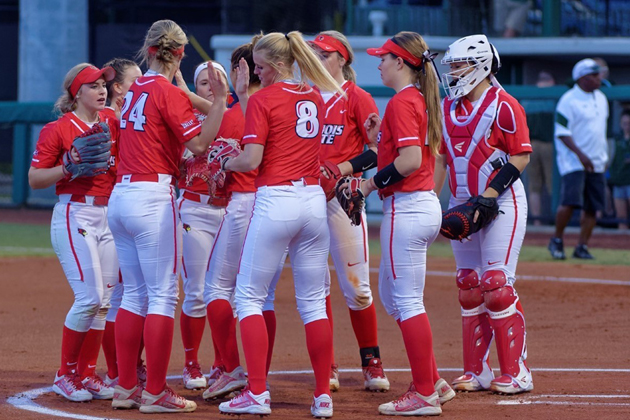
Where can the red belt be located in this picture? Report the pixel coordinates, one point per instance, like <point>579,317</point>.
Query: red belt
<point>143,178</point>
<point>383,196</point>
<point>98,201</point>
<point>308,180</point>
<point>198,198</point>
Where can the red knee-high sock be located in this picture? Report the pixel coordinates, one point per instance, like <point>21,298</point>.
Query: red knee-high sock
<point>329,314</point>
<point>319,344</point>
<point>71,343</point>
<point>192,332</point>
<point>255,346</point>
<point>109,349</point>
<point>218,360</point>
<point>89,352</point>
<point>129,328</point>
<point>436,375</point>
<point>223,327</point>
<point>270,322</point>
<point>364,326</point>
<point>158,340</point>
<point>418,340</point>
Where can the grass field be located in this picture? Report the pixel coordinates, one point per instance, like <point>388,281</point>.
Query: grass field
<point>34,240</point>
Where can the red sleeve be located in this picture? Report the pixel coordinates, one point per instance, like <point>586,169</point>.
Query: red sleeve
<point>362,106</point>
<point>512,122</point>
<point>408,123</point>
<point>177,111</point>
<point>256,121</point>
<point>49,147</point>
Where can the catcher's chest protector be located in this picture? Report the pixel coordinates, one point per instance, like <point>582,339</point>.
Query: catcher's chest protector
<point>469,156</point>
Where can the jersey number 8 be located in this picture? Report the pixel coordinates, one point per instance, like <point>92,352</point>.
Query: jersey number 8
<point>136,115</point>
<point>307,126</point>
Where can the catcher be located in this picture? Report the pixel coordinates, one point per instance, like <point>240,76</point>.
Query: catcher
<point>484,170</point>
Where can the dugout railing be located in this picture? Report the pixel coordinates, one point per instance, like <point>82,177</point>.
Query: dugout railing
<point>20,124</point>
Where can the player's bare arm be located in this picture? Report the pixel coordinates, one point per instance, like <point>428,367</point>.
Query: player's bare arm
<point>242,84</point>
<point>200,104</point>
<point>248,160</point>
<point>39,178</point>
<point>439,176</point>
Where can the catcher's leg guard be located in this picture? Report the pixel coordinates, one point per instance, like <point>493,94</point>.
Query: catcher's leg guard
<point>476,334</point>
<point>508,324</point>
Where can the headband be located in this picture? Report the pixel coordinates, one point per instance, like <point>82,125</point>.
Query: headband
<point>203,66</point>
<point>179,51</point>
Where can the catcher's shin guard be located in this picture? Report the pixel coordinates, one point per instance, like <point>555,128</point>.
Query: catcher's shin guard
<point>476,334</point>
<point>508,324</point>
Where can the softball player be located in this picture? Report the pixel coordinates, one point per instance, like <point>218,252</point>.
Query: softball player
<point>127,72</point>
<point>80,234</point>
<point>408,138</point>
<point>282,130</point>
<point>201,216</point>
<point>223,267</point>
<point>343,141</point>
<point>488,162</point>
<point>157,123</point>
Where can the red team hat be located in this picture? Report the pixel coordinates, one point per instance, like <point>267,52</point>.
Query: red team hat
<point>90,74</point>
<point>329,43</point>
<point>390,47</point>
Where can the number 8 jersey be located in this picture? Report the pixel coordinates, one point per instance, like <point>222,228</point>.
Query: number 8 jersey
<point>287,119</point>
<point>156,120</point>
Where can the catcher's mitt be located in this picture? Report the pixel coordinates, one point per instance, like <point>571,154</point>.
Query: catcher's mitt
<point>92,150</point>
<point>222,150</point>
<point>210,173</point>
<point>351,198</point>
<point>328,178</point>
<point>458,223</point>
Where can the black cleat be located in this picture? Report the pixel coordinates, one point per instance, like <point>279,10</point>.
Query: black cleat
<point>556,248</point>
<point>581,252</point>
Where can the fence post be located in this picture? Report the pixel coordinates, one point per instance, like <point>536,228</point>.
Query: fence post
<point>551,18</point>
<point>20,164</point>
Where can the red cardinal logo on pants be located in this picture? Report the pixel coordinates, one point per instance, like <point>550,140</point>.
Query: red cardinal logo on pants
<point>82,232</point>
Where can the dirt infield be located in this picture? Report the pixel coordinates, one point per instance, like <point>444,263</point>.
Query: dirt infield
<point>583,328</point>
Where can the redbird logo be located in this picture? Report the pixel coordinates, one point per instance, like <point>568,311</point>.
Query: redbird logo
<point>82,232</point>
<point>186,227</point>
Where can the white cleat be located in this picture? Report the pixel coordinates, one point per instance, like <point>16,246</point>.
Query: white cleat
<point>412,404</point>
<point>322,407</point>
<point>127,399</point>
<point>70,387</point>
<point>227,383</point>
<point>334,378</point>
<point>444,390</point>
<point>99,389</point>
<point>248,403</point>
<point>192,376</point>
<point>375,379</point>
<point>166,401</point>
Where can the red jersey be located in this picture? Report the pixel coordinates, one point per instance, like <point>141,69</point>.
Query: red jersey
<point>56,138</point>
<point>232,127</point>
<point>287,120</point>
<point>405,124</point>
<point>344,135</point>
<point>156,120</point>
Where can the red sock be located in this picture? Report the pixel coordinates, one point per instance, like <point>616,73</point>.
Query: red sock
<point>158,339</point>
<point>319,344</point>
<point>418,340</point>
<point>436,375</point>
<point>89,352</point>
<point>129,328</point>
<point>270,322</point>
<point>223,327</point>
<point>330,321</point>
<point>109,349</point>
<point>192,332</point>
<point>364,326</point>
<point>255,346</point>
<point>71,343</point>
<point>218,360</point>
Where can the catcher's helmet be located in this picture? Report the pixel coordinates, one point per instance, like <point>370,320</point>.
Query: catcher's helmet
<point>482,58</point>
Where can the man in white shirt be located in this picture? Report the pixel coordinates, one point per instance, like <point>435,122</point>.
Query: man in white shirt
<point>581,152</point>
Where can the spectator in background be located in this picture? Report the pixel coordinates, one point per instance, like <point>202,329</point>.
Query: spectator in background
<point>510,16</point>
<point>604,72</point>
<point>620,171</point>
<point>582,153</point>
<point>540,115</point>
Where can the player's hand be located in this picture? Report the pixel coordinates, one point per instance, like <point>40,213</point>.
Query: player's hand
<point>366,186</point>
<point>242,79</point>
<point>218,84</point>
<point>181,83</point>
<point>586,162</point>
<point>372,126</point>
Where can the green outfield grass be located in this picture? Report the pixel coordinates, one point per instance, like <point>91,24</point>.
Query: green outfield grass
<point>34,240</point>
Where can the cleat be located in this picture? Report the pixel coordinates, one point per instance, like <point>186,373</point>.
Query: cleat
<point>334,378</point>
<point>110,382</point>
<point>192,376</point>
<point>227,383</point>
<point>70,387</point>
<point>247,403</point>
<point>322,407</point>
<point>375,379</point>
<point>412,404</point>
<point>507,384</point>
<point>214,374</point>
<point>581,252</point>
<point>99,389</point>
<point>127,399</point>
<point>444,390</point>
<point>141,371</point>
<point>166,401</point>
<point>468,382</point>
<point>556,248</point>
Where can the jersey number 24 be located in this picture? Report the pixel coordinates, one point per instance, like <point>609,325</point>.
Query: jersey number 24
<point>136,115</point>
